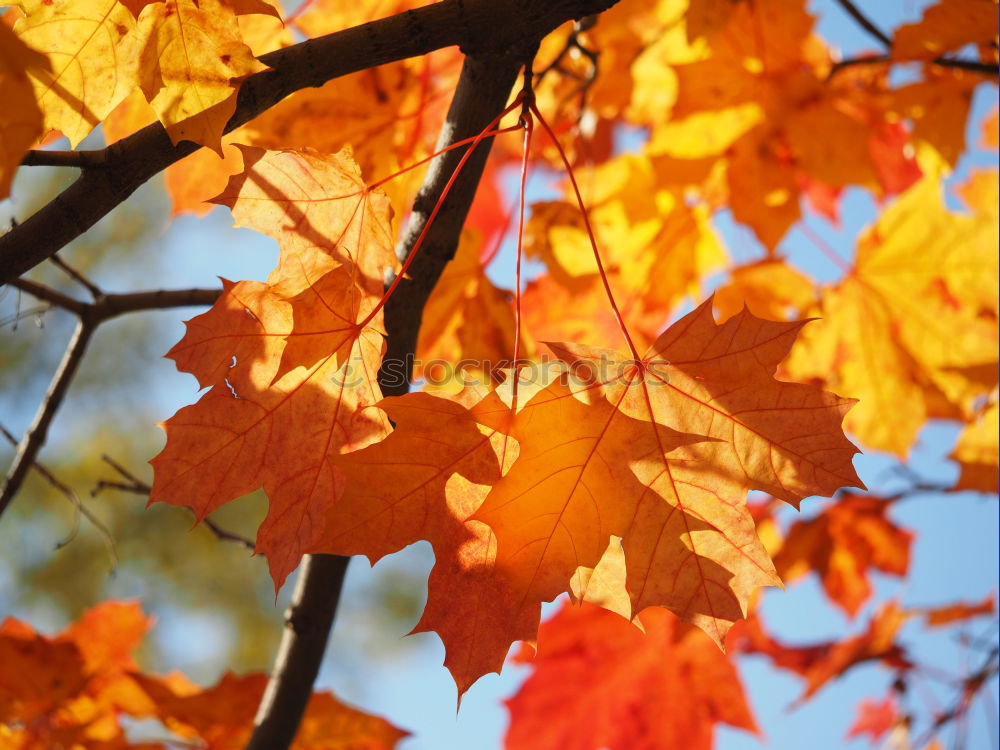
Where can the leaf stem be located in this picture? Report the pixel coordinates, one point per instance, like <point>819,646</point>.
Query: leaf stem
<point>590,233</point>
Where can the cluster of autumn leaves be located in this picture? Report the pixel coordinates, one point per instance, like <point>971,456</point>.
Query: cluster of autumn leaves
<point>618,476</point>
<point>72,690</point>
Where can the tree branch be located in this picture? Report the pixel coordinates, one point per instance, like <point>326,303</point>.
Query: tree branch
<point>308,621</point>
<point>483,89</point>
<point>991,69</point>
<point>34,438</point>
<point>91,315</point>
<point>78,159</point>
<point>477,26</point>
<point>864,22</point>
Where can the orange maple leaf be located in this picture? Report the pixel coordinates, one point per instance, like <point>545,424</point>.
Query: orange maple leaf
<point>292,363</point>
<point>822,662</point>
<point>597,681</point>
<point>222,716</point>
<point>841,544</point>
<point>424,481</point>
<point>691,545</point>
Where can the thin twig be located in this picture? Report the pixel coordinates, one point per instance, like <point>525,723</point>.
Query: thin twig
<point>990,69</point>
<point>865,23</point>
<point>79,509</point>
<point>136,486</point>
<point>34,438</point>
<point>78,277</point>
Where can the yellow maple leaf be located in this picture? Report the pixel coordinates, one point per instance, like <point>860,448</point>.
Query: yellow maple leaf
<point>976,452</point>
<point>191,63</point>
<point>91,48</point>
<point>907,325</point>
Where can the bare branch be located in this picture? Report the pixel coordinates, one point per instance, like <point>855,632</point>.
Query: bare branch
<point>90,315</point>
<point>477,26</point>
<point>34,438</point>
<point>78,277</point>
<point>47,294</point>
<point>990,69</point>
<point>865,23</point>
<point>308,621</point>
<point>79,509</point>
<point>112,305</point>
<point>136,486</point>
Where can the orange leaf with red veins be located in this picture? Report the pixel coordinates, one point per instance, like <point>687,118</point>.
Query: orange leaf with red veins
<point>424,481</point>
<point>292,363</point>
<point>945,27</point>
<point>576,483</point>
<point>841,544</point>
<point>691,545</point>
<point>598,682</point>
<point>222,716</point>
<point>942,616</point>
<point>319,210</point>
<point>21,120</point>
<point>875,719</point>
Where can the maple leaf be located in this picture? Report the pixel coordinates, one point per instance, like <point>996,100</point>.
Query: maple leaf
<point>222,716</point>
<point>425,481</point>
<point>888,333</point>
<point>467,318</point>
<point>976,452</point>
<point>21,121</point>
<point>68,691</point>
<point>192,60</point>
<point>593,669</point>
<point>691,545</point>
<point>875,719</point>
<point>822,662</point>
<point>840,544</point>
<point>939,109</point>
<point>769,288</point>
<point>940,616</point>
<point>79,87</point>
<point>292,363</point>
<point>946,26</point>
<point>658,246</point>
